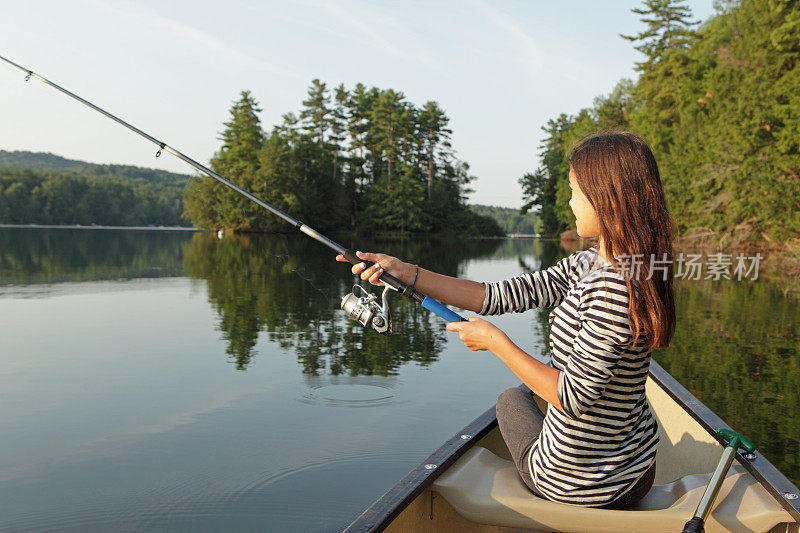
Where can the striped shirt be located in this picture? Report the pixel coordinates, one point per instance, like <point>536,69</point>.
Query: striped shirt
<point>607,436</point>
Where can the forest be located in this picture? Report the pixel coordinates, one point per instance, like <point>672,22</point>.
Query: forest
<point>719,104</point>
<point>40,188</point>
<point>361,159</point>
<point>511,221</point>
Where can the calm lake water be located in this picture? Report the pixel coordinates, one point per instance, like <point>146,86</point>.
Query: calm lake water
<point>156,380</point>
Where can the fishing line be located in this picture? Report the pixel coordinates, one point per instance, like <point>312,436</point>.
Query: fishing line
<point>302,273</point>
<point>365,310</point>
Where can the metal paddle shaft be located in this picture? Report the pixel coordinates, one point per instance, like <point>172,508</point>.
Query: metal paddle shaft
<point>403,288</point>
<point>735,441</point>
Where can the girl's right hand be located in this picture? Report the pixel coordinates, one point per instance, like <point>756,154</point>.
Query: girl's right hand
<point>382,263</point>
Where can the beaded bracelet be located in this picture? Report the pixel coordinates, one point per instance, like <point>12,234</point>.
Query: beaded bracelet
<point>416,273</point>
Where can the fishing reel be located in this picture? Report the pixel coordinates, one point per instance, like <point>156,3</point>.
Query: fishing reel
<point>366,311</point>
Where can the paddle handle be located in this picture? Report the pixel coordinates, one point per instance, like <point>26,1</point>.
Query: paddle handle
<point>695,525</point>
<point>734,441</point>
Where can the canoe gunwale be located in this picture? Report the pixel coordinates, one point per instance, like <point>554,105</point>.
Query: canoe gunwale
<point>384,510</point>
<point>381,513</point>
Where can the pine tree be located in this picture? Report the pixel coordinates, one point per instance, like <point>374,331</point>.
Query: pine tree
<point>435,133</point>
<point>540,188</point>
<point>359,109</point>
<point>338,122</point>
<point>316,113</point>
<point>668,27</point>
<point>343,173</point>
<point>275,176</point>
<point>665,43</point>
<point>289,128</point>
<point>210,204</point>
<point>397,204</point>
<point>391,123</point>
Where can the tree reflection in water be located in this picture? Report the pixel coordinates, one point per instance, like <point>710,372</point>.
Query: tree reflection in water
<point>290,288</point>
<point>33,255</point>
<point>737,348</point>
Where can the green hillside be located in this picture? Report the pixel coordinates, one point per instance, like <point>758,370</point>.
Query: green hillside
<point>48,161</point>
<point>718,103</point>
<point>43,188</point>
<point>509,219</point>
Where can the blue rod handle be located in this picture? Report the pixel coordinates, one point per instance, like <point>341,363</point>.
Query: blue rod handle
<point>439,308</point>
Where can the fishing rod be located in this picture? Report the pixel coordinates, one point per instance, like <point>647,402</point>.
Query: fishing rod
<point>364,309</point>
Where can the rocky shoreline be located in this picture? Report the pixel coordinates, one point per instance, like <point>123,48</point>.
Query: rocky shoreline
<point>779,261</point>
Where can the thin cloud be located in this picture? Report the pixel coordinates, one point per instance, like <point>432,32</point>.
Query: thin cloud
<point>532,56</point>
<point>369,28</point>
<point>182,33</point>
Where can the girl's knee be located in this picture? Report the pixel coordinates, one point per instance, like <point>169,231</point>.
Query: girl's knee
<point>510,397</point>
<point>507,394</point>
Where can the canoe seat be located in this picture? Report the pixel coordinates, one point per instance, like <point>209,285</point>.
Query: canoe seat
<point>486,489</point>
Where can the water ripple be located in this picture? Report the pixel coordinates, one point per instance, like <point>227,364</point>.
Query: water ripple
<point>350,391</point>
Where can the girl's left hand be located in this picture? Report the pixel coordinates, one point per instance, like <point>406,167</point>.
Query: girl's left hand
<point>477,334</point>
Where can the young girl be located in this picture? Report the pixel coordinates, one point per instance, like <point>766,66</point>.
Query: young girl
<point>596,445</point>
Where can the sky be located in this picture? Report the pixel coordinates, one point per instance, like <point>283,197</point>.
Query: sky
<point>500,70</point>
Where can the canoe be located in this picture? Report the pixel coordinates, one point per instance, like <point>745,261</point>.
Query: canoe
<point>471,485</point>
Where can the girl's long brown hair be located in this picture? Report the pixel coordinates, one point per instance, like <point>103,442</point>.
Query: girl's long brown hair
<point>618,174</point>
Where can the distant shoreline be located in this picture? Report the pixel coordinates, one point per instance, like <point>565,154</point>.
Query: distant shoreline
<point>185,228</point>
<point>54,226</point>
